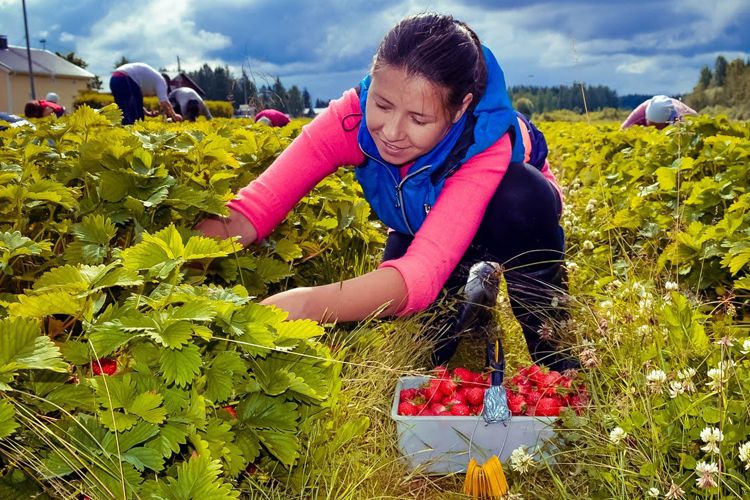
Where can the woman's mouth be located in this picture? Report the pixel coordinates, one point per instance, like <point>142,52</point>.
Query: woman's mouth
<point>391,148</point>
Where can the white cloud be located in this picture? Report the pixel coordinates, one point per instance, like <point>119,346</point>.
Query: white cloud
<point>66,37</point>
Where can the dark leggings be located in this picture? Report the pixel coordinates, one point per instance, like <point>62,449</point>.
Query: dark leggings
<point>128,97</point>
<point>520,228</point>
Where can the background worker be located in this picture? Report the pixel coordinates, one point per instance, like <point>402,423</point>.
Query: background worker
<point>659,111</point>
<point>130,82</point>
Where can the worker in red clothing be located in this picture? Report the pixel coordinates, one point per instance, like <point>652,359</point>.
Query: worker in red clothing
<point>272,118</point>
<point>41,108</point>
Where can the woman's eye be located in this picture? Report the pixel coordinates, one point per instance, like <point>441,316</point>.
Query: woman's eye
<point>418,122</point>
<point>381,106</point>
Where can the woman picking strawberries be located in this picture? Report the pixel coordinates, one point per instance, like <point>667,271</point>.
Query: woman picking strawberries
<point>439,154</point>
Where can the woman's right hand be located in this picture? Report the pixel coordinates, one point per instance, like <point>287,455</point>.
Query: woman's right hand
<point>226,227</point>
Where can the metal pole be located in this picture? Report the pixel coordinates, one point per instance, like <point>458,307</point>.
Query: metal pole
<point>28,50</point>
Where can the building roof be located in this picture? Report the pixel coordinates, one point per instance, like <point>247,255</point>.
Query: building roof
<point>183,80</point>
<point>13,60</point>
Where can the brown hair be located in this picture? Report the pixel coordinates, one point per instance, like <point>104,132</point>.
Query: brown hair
<point>33,109</point>
<point>439,48</point>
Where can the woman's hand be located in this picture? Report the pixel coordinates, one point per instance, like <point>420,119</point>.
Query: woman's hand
<point>234,225</point>
<point>382,291</point>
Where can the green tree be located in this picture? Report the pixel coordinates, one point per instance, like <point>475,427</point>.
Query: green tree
<point>122,60</point>
<point>720,71</point>
<point>524,105</point>
<point>295,102</point>
<point>73,58</point>
<point>705,78</point>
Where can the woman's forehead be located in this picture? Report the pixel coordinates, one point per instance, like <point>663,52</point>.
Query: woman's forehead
<point>413,90</point>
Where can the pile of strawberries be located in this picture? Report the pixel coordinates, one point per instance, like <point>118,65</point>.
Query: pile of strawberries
<point>534,391</point>
<point>460,393</point>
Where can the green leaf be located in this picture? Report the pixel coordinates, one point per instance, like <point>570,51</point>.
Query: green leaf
<point>15,245</point>
<point>8,423</point>
<point>47,304</point>
<point>181,366</point>
<point>264,412</point>
<point>143,457</point>
<point>174,335</point>
<point>287,250</point>
<point>23,348</point>
<point>219,375</point>
<point>147,405</point>
<point>282,445</point>
<point>711,415</point>
<point>198,478</point>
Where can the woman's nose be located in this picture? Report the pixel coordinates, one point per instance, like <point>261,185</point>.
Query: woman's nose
<point>392,130</point>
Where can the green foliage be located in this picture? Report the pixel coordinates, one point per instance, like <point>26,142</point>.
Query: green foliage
<point>98,259</point>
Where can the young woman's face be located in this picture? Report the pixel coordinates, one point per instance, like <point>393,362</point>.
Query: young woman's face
<point>406,114</point>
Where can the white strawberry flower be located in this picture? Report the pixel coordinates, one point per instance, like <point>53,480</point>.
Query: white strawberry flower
<point>653,492</point>
<point>745,347</point>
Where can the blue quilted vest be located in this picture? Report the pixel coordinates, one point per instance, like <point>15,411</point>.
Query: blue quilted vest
<point>402,203</point>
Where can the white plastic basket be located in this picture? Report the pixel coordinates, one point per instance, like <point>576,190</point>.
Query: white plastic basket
<point>443,444</point>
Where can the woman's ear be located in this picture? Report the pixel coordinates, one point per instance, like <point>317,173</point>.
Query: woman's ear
<point>464,106</point>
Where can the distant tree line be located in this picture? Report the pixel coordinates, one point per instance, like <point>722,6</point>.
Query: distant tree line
<point>540,99</point>
<point>221,85</point>
<point>725,89</point>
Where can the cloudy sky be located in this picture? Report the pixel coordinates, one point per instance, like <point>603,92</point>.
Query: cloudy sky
<point>633,46</point>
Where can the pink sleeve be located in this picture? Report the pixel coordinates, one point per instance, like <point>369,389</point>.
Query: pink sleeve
<point>683,109</point>
<point>324,145</point>
<point>636,117</point>
<point>550,176</point>
<point>450,226</point>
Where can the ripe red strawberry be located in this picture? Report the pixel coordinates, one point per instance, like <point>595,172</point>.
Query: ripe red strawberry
<point>432,392</point>
<point>438,408</point>
<point>460,410</point>
<point>516,403</point>
<point>231,411</point>
<point>453,400</point>
<point>407,408</point>
<point>441,371</point>
<point>528,371</point>
<point>547,407</point>
<point>447,387</point>
<point>475,396</point>
<point>107,366</point>
<point>533,397</point>
<point>464,376</point>
<point>407,395</point>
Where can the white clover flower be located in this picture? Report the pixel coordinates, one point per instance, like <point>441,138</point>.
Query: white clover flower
<point>671,285</point>
<point>520,460</point>
<point>643,330</point>
<point>716,376</point>
<point>686,374</point>
<point>676,388</point>
<point>744,452</point>
<point>591,205</point>
<point>572,266</point>
<point>645,304</point>
<point>588,245</point>
<point>606,304</point>
<point>706,473</point>
<point>712,437</point>
<point>657,376</point>
<point>745,347</point>
<point>617,435</point>
<point>675,492</point>
<point>653,492</point>
<point>594,235</point>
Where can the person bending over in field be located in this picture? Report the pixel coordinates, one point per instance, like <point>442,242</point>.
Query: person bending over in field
<point>131,82</point>
<point>188,103</point>
<point>272,118</point>
<point>659,111</point>
<point>439,154</point>
<point>42,108</point>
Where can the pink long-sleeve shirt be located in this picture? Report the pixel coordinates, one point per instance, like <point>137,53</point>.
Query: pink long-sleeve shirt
<point>330,142</point>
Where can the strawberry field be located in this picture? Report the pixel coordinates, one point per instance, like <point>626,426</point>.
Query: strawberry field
<point>136,362</point>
